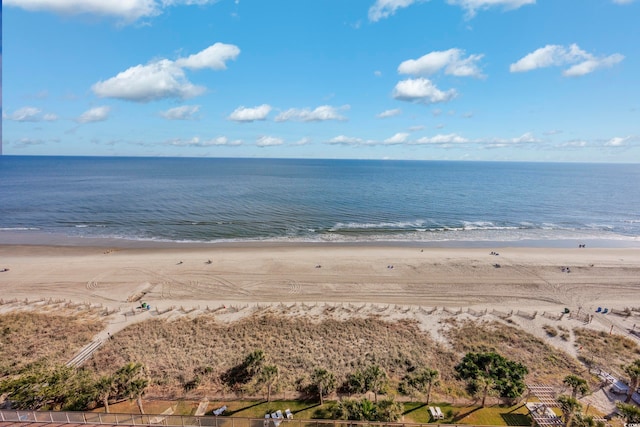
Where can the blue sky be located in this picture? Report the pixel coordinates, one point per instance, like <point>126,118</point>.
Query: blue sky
<point>522,80</point>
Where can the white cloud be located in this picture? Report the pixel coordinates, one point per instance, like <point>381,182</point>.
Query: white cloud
<point>617,141</point>
<point>446,141</point>
<point>574,143</point>
<point>452,61</point>
<point>377,73</point>
<point>385,8</point>
<point>302,141</point>
<point>26,114</point>
<point>546,57</point>
<point>96,114</point>
<point>151,82</point>
<point>269,141</point>
<point>581,62</point>
<point>472,6</point>
<point>30,114</point>
<point>623,1</point>
<point>389,113</point>
<point>184,112</point>
<point>187,2</point>
<point>178,142</point>
<point>526,138</point>
<point>126,10</point>
<point>196,141</point>
<point>398,138</point>
<point>28,141</point>
<point>421,90</point>
<point>345,140</point>
<point>321,113</point>
<point>214,57</point>
<point>451,138</point>
<point>242,114</point>
<point>416,128</point>
<point>164,78</point>
<point>590,65</point>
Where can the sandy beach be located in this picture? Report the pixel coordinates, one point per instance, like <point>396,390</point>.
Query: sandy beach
<point>524,287</point>
<point>516,278</point>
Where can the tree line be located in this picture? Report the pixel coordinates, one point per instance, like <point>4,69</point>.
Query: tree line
<point>485,374</point>
<point>66,388</point>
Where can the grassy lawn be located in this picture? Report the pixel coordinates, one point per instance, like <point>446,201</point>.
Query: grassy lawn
<point>490,415</point>
<point>414,412</point>
<point>252,409</point>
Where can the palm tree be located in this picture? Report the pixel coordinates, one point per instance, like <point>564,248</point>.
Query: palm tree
<point>57,386</point>
<point>105,387</point>
<point>324,381</point>
<point>577,384</point>
<point>131,381</point>
<point>136,390</point>
<point>582,420</point>
<point>367,410</point>
<point>268,375</point>
<point>375,380</point>
<point>254,362</point>
<point>629,411</point>
<point>486,384</point>
<point>389,410</point>
<point>633,371</point>
<point>428,377</point>
<point>569,407</point>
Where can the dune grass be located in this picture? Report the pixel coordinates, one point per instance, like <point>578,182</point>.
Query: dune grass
<point>546,364</point>
<point>29,337</point>
<point>178,351</point>
<point>610,352</point>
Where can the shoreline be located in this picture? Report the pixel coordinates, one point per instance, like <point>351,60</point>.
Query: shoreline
<point>31,238</point>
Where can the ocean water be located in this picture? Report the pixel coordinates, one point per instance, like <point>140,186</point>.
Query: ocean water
<point>238,200</point>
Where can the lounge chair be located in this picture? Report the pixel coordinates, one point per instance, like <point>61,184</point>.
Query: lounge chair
<point>599,310</point>
<point>267,418</point>
<point>605,311</point>
<point>276,419</point>
<point>439,412</point>
<point>619,387</point>
<point>288,414</point>
<point>278,414</point>
<point>220,410</point>
<point>434,414</point>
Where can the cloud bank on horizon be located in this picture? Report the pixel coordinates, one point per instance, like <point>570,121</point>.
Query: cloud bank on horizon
<point>425,79</point>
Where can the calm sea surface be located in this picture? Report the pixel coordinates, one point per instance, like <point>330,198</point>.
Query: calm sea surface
<point>238,200</point>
